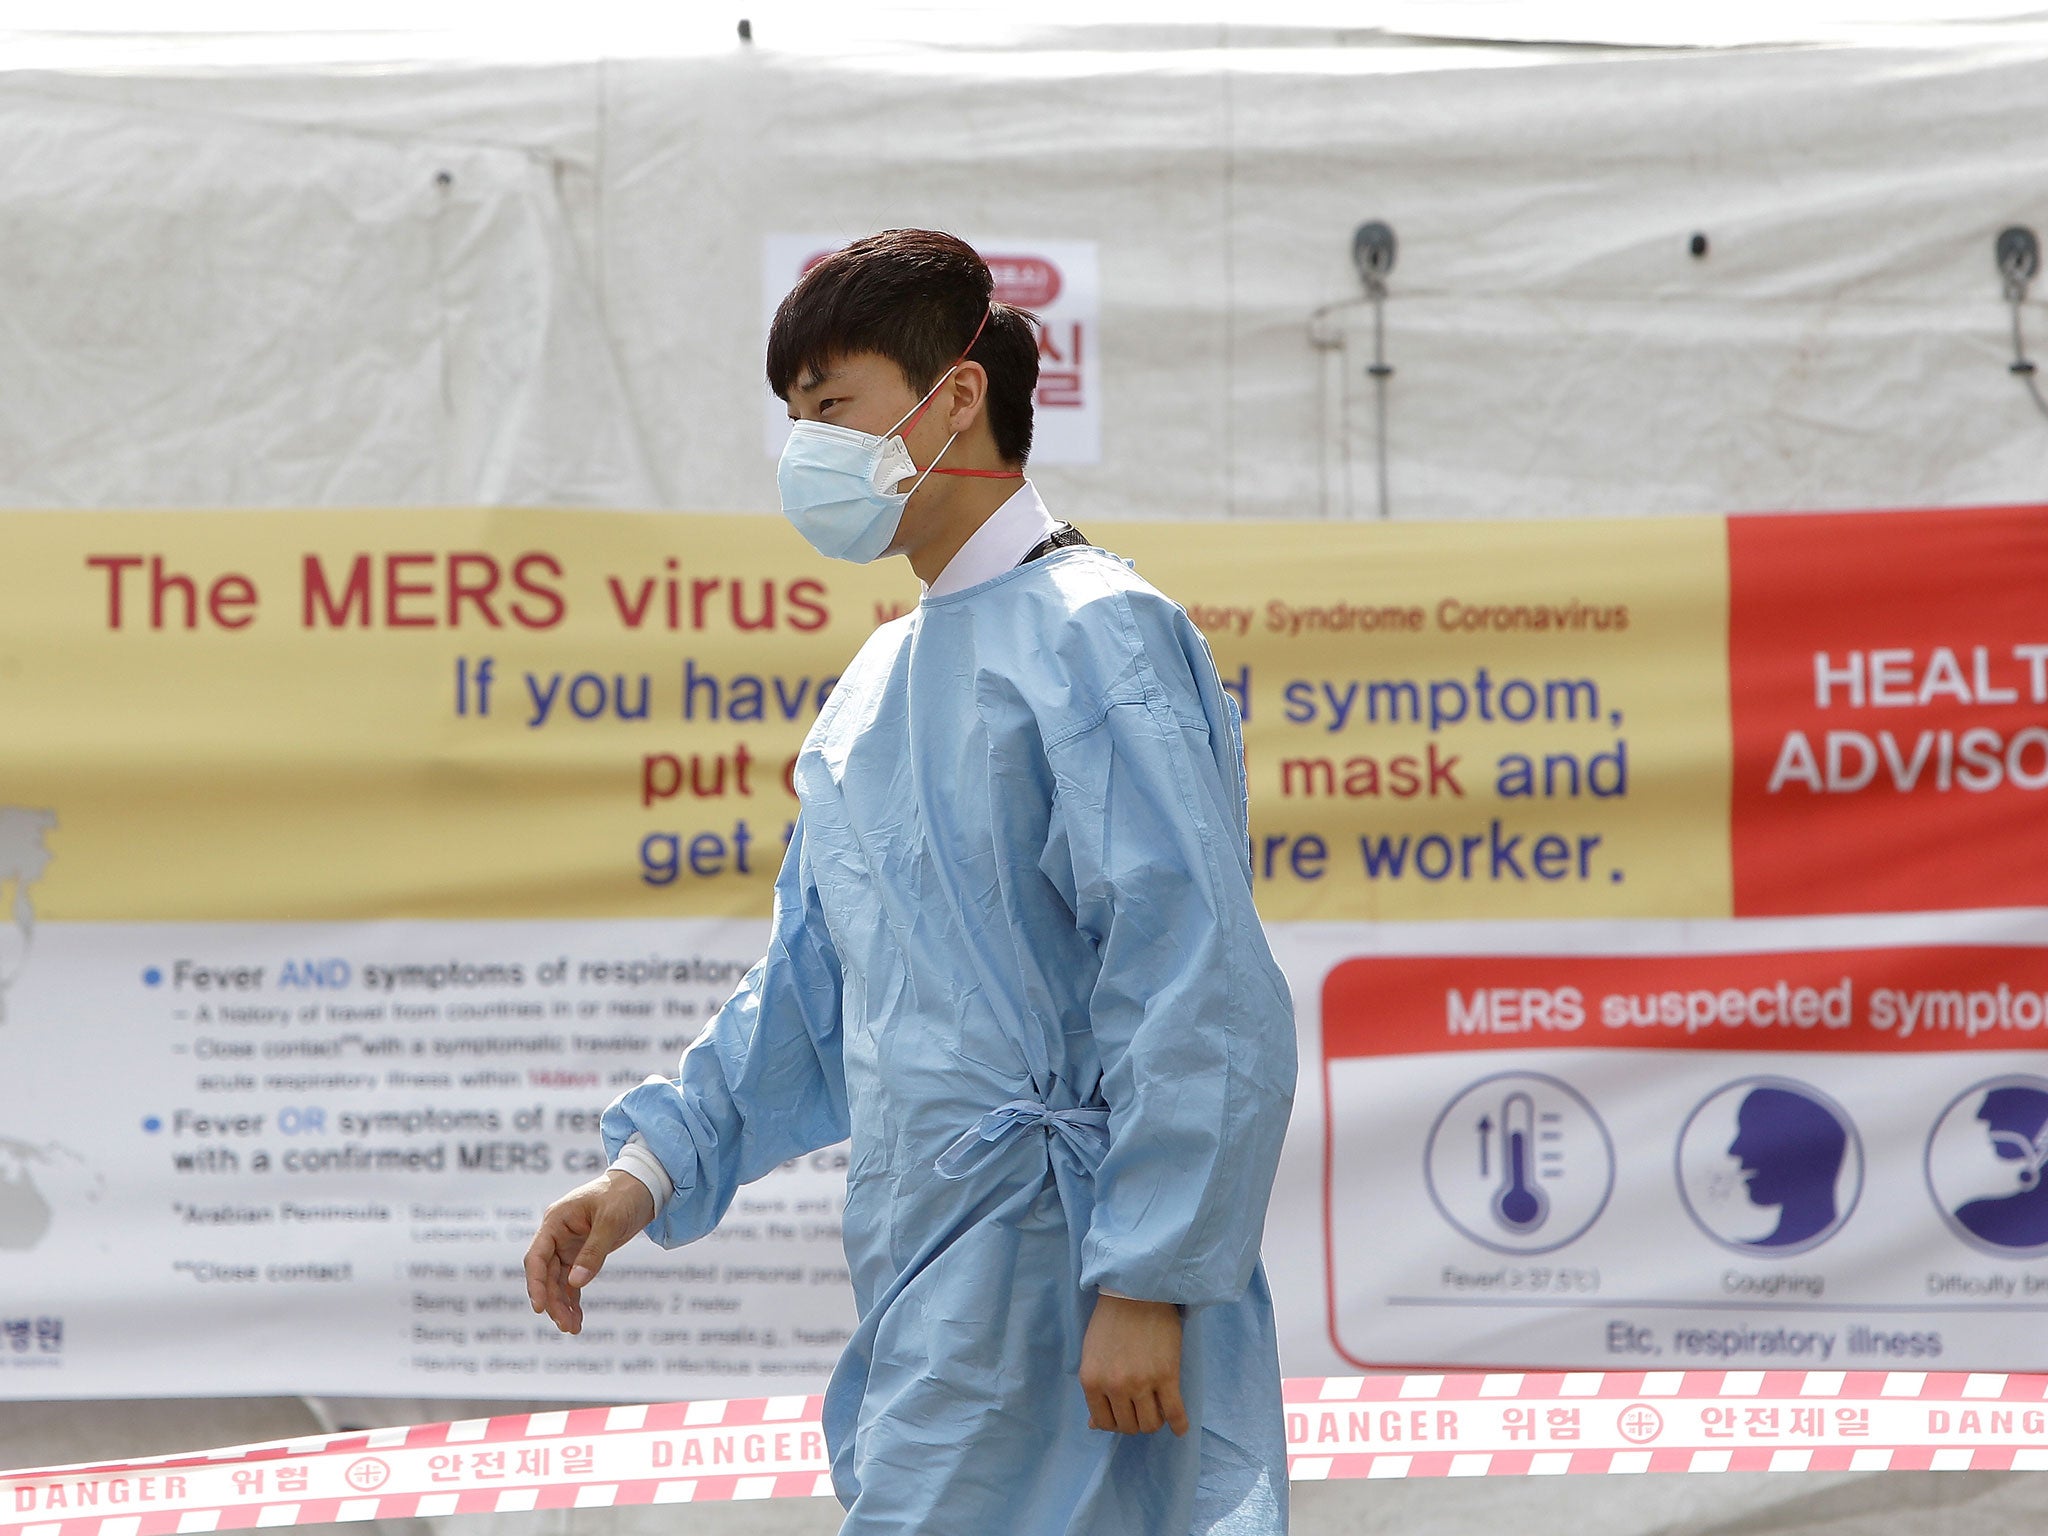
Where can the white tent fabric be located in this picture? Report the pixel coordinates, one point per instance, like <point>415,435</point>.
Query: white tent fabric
<point>345,330</point>
<point>209,309</point>
<point>408,283</point>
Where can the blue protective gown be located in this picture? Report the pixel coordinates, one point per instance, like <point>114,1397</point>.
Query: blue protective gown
<point>1015,959</point>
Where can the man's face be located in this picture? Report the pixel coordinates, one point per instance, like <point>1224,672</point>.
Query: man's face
<point>868,392</point>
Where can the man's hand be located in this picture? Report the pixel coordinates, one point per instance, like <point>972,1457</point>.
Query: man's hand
<point>1130,1366</point>
<point>577,1234</point>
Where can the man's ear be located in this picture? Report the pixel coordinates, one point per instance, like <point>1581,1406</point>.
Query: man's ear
<point>965,396</point>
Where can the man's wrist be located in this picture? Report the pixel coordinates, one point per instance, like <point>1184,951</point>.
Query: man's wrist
<point>637,1159</point>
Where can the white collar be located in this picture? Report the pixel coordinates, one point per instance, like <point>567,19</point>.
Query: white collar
<point>1012,531</point>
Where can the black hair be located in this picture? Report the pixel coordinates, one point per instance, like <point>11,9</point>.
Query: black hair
<point>913,296</point>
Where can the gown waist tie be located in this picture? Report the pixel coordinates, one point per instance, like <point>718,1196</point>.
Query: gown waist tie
<point>1085,1131</point>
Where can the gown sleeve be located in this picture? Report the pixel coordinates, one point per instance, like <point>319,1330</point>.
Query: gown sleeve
<point>762,1084</point>
<point>1191,1016</point>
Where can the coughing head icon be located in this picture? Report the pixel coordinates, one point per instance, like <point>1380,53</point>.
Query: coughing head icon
<point>1790,1149</point>
<point>1769,1166</point>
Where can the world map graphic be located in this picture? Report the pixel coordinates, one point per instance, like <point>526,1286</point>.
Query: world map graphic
<point>24,857</point>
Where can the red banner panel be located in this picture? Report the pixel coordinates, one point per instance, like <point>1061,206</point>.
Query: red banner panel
<point>1931,998</point>
<point>1889,685</point>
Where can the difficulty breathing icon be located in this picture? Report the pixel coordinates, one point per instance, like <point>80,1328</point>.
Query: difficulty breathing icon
<point>1519,1203</point>
<point>2015,1120</point>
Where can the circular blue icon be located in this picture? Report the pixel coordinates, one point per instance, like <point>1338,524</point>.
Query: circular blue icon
<point>152,1124</point>
<point>1987,1166</point>
<point>152,977</point>
<point>1519,1163</point>
<point>1769,1167</point>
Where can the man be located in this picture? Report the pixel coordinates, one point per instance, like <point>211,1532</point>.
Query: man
<point>1014,958</point>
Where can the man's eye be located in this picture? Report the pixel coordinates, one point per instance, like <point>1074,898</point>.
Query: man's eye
<point>826,405</point>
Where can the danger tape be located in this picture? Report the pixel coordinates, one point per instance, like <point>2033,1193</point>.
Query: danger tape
<point>1471,1424</point>
<point>1465,1424</point>
<point>583,1458</point>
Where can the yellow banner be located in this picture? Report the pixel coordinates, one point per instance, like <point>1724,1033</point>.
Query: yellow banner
<point>490,713</point>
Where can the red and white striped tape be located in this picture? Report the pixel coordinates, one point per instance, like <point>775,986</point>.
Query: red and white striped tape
<point>1466,1424</point>
<point>1471,1424</point>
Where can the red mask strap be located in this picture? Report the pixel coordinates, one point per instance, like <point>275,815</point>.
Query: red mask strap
<point>978,474</point>
<point>976,336</point>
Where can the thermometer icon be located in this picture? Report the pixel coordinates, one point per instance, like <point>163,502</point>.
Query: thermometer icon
<point>1519,1204</point>
<point>1543,1169</point>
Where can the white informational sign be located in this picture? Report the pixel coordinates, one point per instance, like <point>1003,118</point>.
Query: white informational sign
<point>299,1157</point>
<point>1055,279</point>
<point>1797,1143</point>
